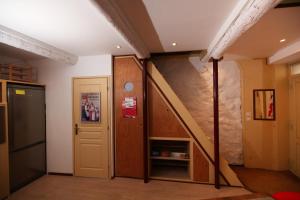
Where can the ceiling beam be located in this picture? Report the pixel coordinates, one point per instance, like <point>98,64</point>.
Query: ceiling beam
<point>288,4</point>
<point>26,43</point>
<point>243,16</point>
<point>287,54</point>
<point>116,16</point>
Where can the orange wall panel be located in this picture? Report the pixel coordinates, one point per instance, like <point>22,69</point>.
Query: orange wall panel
<point>128,131</point>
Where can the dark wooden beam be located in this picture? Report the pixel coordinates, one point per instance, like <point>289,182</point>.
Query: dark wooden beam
<point>288,4</point>
<point>176,53</point>
<point>145,121</point>
<point>216,123</point>
<point>220,59</point>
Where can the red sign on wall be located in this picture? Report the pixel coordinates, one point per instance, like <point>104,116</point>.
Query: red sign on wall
<point>129,107</point>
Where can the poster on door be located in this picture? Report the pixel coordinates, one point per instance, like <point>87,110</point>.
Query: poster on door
<point>90,107</point>
<point>129,107</point>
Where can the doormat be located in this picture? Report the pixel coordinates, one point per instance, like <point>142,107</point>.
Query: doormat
<point>287,196</point>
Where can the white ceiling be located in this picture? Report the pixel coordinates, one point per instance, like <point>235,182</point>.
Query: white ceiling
<point>262,40</point>
<point>79,27</point>
<point>192,24</point>
<point>76,26</point>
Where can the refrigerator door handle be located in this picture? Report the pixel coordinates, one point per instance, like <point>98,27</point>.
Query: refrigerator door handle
<point>76,129</point>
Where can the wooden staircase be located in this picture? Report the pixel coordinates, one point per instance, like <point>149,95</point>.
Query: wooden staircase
<point>227,176</point>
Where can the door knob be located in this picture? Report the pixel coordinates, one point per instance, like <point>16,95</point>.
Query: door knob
<point>76,129</point>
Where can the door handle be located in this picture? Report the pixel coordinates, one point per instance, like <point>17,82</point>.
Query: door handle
<point>76,129</point>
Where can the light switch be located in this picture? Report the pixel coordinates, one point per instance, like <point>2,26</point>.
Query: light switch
<point>248,116</point>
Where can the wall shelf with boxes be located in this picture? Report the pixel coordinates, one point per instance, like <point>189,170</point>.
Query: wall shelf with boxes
<point>18,72</point>
<point>170,158</point>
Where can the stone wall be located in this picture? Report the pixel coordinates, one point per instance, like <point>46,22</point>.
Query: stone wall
<point>192,82</point>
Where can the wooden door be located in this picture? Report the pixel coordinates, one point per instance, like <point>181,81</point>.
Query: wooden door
<point>129,155</point>
<point>295,126</point>
<point>90,123</point>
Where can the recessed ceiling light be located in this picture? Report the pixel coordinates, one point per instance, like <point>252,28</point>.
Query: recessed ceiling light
<point>282,40</point>
<point>118,47</point>
<point>174,44</point>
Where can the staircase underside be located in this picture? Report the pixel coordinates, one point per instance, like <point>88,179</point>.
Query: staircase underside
<point>194,130</point>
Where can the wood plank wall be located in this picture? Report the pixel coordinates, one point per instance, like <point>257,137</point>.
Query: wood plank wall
<point>162,121</point>
<point>200,165</point>
<point>4,160</point>
<point>128,132</point>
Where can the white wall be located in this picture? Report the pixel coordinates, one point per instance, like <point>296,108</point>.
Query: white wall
<point>295,68</point>
<point>58,80</point>
<point>231,141</point>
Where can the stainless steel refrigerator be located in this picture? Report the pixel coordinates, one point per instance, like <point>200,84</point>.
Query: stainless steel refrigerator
<point>27,133</point>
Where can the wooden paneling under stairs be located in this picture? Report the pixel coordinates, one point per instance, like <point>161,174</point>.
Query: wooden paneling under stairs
<point>173,154</point>
<point>200,165</point>
<point>162,121</point>
<point>178,148</point>
<point>199,137</point>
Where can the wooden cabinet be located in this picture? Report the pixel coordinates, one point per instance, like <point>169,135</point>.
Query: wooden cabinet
<point>177,159</point>
<point>4,168</point>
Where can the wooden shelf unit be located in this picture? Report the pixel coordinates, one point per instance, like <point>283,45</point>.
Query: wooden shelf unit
<point>163,163</point>
<point>168,158</point>
<point>17,72</point>
<point>174,173</point>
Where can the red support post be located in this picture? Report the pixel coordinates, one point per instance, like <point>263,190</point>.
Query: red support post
<point>216,123</point>
<point>145,121</point>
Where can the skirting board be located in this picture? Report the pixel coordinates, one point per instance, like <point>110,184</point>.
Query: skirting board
<point>60,174</point>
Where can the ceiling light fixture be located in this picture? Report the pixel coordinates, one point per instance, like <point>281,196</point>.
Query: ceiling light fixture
<point>174,44</point>
<point>118,47</point>
<point>282,40</point>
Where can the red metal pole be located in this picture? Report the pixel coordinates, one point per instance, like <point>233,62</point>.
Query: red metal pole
<point>145,121</point>
<point>216,123</point>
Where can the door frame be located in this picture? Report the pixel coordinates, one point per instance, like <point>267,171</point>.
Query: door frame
<point>292,118</point>
<point>109,121</point>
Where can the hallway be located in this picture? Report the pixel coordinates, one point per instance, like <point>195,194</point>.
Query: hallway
<point>267,181</point>
<point>67,187</point>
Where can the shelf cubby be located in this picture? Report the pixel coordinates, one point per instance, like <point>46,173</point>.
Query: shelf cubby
<point>170,159</point>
